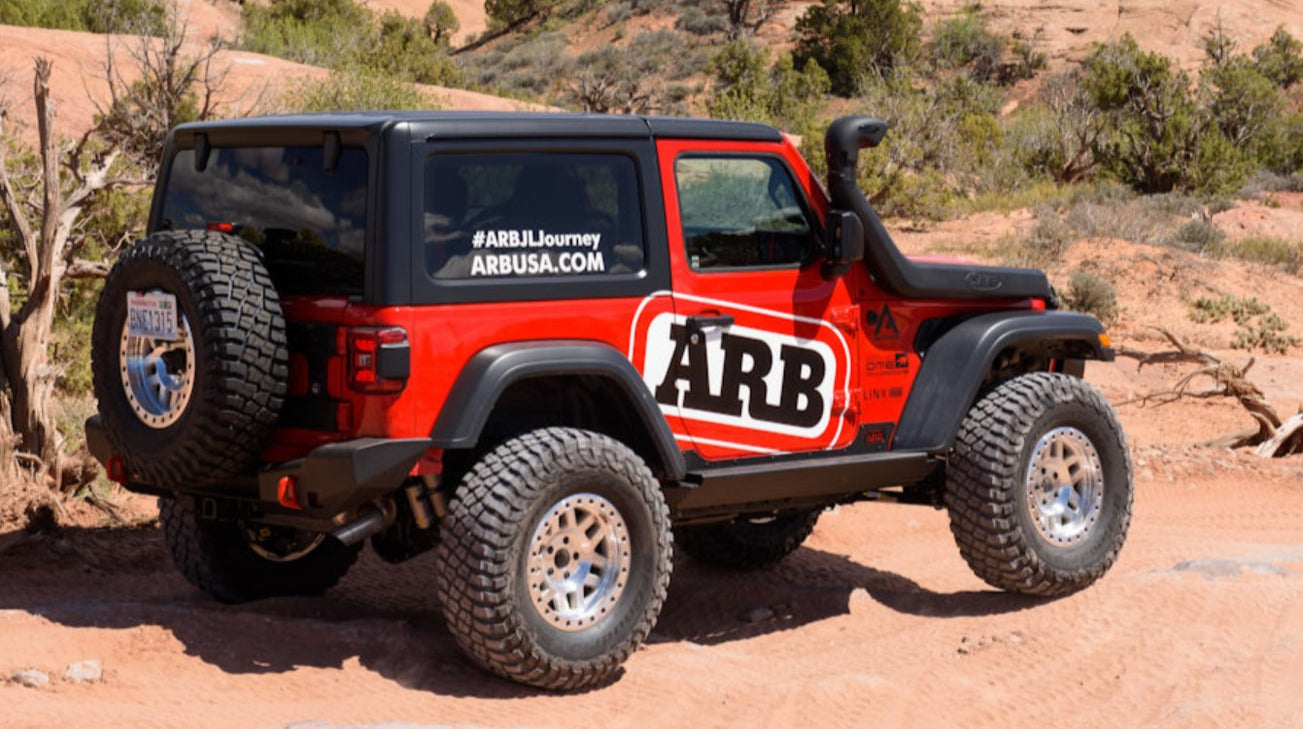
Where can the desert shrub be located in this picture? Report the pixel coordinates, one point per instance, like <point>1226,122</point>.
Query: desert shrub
<point>1092,294</point>
<point>1271,251</point>
<point>355,89</point>
<point>636,78</point>
<point>854,39</point>
<point>1201,237</point>
<point>1280,58</point>
<point>344,34</point>
<point>1268,334</point>
<point>697,21</point>
<point>315,32</point>
<point>404,49</point>
<point>940,136</point>
<point>618,12</point>
<point>1162,139</point>
<point>1208,309</point>
<point>148,17</point>
<point>508,13</point>
<point>1244,102</point>
<point>531,66</point>
<point>1057,137</point>
<point>965,41</point>
<point>1266,181</point>
<point>750,89</point>
<point>441,23</point>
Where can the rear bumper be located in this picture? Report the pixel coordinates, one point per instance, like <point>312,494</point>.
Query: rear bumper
<point>332,479</point>
<point>339,477</point>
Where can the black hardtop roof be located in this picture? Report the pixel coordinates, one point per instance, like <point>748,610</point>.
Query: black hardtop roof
<point>491,124</point>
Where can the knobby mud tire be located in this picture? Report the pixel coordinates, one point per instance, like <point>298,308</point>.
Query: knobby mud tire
<point>988,486</point>
<point>216,556</point>
<point>495,519</point>
<point>240,366</point>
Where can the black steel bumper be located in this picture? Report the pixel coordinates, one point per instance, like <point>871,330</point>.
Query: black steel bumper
<point>332,479</point>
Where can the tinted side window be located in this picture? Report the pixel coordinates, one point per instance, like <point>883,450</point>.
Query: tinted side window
<point>741,212</point>
<point>516,215</point>
<point>309,222</point>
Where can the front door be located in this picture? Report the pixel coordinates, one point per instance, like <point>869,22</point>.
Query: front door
<point>757,355</point>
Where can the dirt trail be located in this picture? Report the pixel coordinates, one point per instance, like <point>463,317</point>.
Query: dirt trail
<point>1200,623</point>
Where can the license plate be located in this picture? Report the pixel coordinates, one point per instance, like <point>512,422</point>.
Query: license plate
<point>152,314</point>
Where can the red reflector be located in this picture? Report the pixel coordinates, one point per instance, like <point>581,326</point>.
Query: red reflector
<point>287,493</point>
<point>222,227</point>
<point>116,470</point>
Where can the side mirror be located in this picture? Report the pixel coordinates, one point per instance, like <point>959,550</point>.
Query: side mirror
<point>844,244</point>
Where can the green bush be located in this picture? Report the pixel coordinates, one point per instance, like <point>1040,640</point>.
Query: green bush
<point>1207,309</point>
<point>355,90</point>
<point>750,89</point>
<point>1092,294</point>
<point>509,13</point>
<point>1266,333</point>
<point>344,34</point>
<point>146,17</point>
<point>855,39</point>
<point>1269,336</point>
<point>1280,58</point>
<point>1161,139</point>
<point>697,21</point>
<point>1200,237</point>
<point>1271,251</point>
<point>966,42</point>
<point>441,23</point>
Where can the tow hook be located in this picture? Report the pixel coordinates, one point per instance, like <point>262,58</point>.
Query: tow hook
<point>372,521</point>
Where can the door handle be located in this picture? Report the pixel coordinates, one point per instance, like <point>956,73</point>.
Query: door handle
<point>698,324</point>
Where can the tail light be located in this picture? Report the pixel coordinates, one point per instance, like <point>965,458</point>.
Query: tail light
<point>379,359</point>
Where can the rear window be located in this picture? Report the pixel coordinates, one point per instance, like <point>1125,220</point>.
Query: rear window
<point>309,222</point>
<point>525,215</point>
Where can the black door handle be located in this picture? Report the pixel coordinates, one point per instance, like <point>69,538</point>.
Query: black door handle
<point>697,324</point>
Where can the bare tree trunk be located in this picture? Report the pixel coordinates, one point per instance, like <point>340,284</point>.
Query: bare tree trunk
<point>27,420</point>
<point>25,339</point>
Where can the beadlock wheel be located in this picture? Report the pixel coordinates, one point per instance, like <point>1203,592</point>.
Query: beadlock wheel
<point>1065,486</point>
<point>158,375</point>
<point>578,561</point>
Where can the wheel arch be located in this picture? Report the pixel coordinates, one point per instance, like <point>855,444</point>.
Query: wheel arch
<point>500,384</point>
<point>973,353</point>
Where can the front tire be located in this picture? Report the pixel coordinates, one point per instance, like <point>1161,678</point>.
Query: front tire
<point>555,558</point>
<point>1038,486</point>
<point>236,562</point>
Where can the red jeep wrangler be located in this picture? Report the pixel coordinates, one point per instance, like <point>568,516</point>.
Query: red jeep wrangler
<point>537,343</point>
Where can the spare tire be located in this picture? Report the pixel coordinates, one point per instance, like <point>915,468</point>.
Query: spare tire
<point>188,357</point>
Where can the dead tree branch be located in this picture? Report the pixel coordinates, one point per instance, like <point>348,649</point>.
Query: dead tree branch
<point>1272,437</point>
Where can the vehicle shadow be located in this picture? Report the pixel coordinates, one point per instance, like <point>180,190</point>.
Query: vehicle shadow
<point>386,616</point>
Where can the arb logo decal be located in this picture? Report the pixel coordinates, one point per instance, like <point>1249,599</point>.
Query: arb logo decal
<point>723,377</point>
<point>741,376</point>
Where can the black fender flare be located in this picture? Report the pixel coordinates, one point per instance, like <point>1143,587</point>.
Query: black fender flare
<point>492,370</point>
<point>956,363</point>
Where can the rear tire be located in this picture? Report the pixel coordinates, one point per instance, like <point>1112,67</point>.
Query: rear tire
<point>199,408</point>
<point>1038,486</point>
<point>747,543</point>
<point>555,558</point>
<point>236,562</point>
